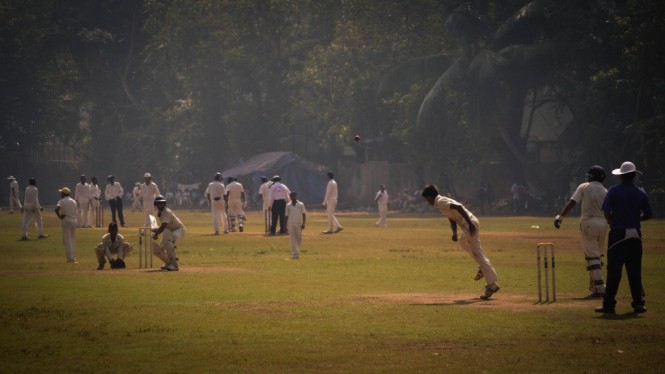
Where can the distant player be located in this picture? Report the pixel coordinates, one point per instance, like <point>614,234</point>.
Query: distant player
<point>82,197</point>
<point>330,202</point>
<point>458,215</point>
<point>381,199</point>
<point>215,193</point>
<point>14,196</point>
<point>235,198</point>
<point>149,191</point>
<point>593,226</point>
<point>95,195</point>
<point>296,216</point>
<point>264,194</point>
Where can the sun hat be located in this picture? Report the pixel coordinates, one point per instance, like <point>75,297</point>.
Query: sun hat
<point>65,190</point>
<point>626,167</point>
<point>147,175</point>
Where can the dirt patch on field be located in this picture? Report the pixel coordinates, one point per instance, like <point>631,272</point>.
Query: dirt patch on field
<point>504,301</point>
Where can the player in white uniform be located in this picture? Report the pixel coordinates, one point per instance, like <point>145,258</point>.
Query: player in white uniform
<point>67,212</point>
<point>381,199</point>
<point>149,191</point>
<point>82,197</point>
<point>136,198</point>
<point>32,210</point>
<point>330,202</point>
<point>264,194</point>
<point>235,198</point>
<point>112,243</point>
<point>296,215</point>
<point>593,226</point>
<point>458,215</point>
<point>14,195</point>
<point>173,230</point>
<point>95,195</point>
<point>215,195</point>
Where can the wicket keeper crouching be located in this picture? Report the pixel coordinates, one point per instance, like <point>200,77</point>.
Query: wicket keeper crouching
<point>173,231</point>
<point>113,244</point>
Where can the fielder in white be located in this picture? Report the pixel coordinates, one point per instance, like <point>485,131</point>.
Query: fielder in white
<point>136,198</point>
<point>149,191</point>
<point>82,197</point>
<point>295,223</point>
<point>173,230</point>
<point>14,196</point>
<point>66,211</point>
<point>330,202</point>
<point>458,215</point>
<point>381,199</point>
<point>215,195</point>
<point>32,210</point>
<point>95,195</point>
<point>112,244</point>
<point>264,194</point>
<point>235,198</point>
<point>593,226</point>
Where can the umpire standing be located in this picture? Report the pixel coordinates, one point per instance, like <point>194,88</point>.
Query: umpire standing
<point>113,194</point>
<point>625,206</point>
<point>278,195</point>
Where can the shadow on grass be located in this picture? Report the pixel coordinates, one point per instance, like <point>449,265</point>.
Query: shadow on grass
<point>455,302</point>
<point>619,317</point>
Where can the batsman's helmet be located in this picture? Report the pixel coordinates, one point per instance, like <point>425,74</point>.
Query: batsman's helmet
<point>160,200</point>
<point>596,173</point>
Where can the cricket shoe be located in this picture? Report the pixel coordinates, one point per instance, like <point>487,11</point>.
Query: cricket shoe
<point>339,229</point>
<point>327,232</point>
<point>479,275</point>
<point>172,268</point>
<point>100,266</point>
<point>43,236</point>
<point>639,309</point>
<point>489,291</point>
<point>241,228</point>
<point>24,238</point>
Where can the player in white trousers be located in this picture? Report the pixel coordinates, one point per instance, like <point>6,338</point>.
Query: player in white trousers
<point>264,194</point>
<point>95,196</point>
<point>215,195</point>
<point>296,215</point>
<point>458,215</point>
<point>235,198</point>
<point>67,212</point>
<point>82,197</point>
<point>136,198</point>
<point>149,191</point>
<point>593,226</point>
<point>381,199</point>
<point>173,230</point>
<point>14,195</point>
<point>330,202</point>
<point>32,210</point>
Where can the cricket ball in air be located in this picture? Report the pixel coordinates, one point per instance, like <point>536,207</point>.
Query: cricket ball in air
<point>356,138</point>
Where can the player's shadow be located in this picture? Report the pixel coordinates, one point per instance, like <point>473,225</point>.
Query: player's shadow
<point>453,302</point>
<point>619,317</point>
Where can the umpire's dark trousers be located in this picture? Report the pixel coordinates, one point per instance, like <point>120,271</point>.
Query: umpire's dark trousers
<point>278,212</point>
<point>116,206</point>
<point>622,251</point>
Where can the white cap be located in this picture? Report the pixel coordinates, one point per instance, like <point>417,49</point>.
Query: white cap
<point>147,175</point>
<point>626,167</point>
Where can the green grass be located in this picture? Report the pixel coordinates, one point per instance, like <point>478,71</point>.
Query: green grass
<point>391,300</point>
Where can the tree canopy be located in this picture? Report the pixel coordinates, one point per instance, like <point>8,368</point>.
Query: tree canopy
<point>190,87</point>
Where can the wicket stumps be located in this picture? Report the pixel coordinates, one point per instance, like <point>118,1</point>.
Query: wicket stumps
<point>145,241</point>
<point>545,247</point>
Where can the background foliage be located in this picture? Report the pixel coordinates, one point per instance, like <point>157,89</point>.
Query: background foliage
<point>190,86</point>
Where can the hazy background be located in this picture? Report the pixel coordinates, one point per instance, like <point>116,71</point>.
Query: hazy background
<point>450,92</point>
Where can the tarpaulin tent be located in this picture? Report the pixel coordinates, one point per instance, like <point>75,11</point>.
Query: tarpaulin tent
<point>307,178</point>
